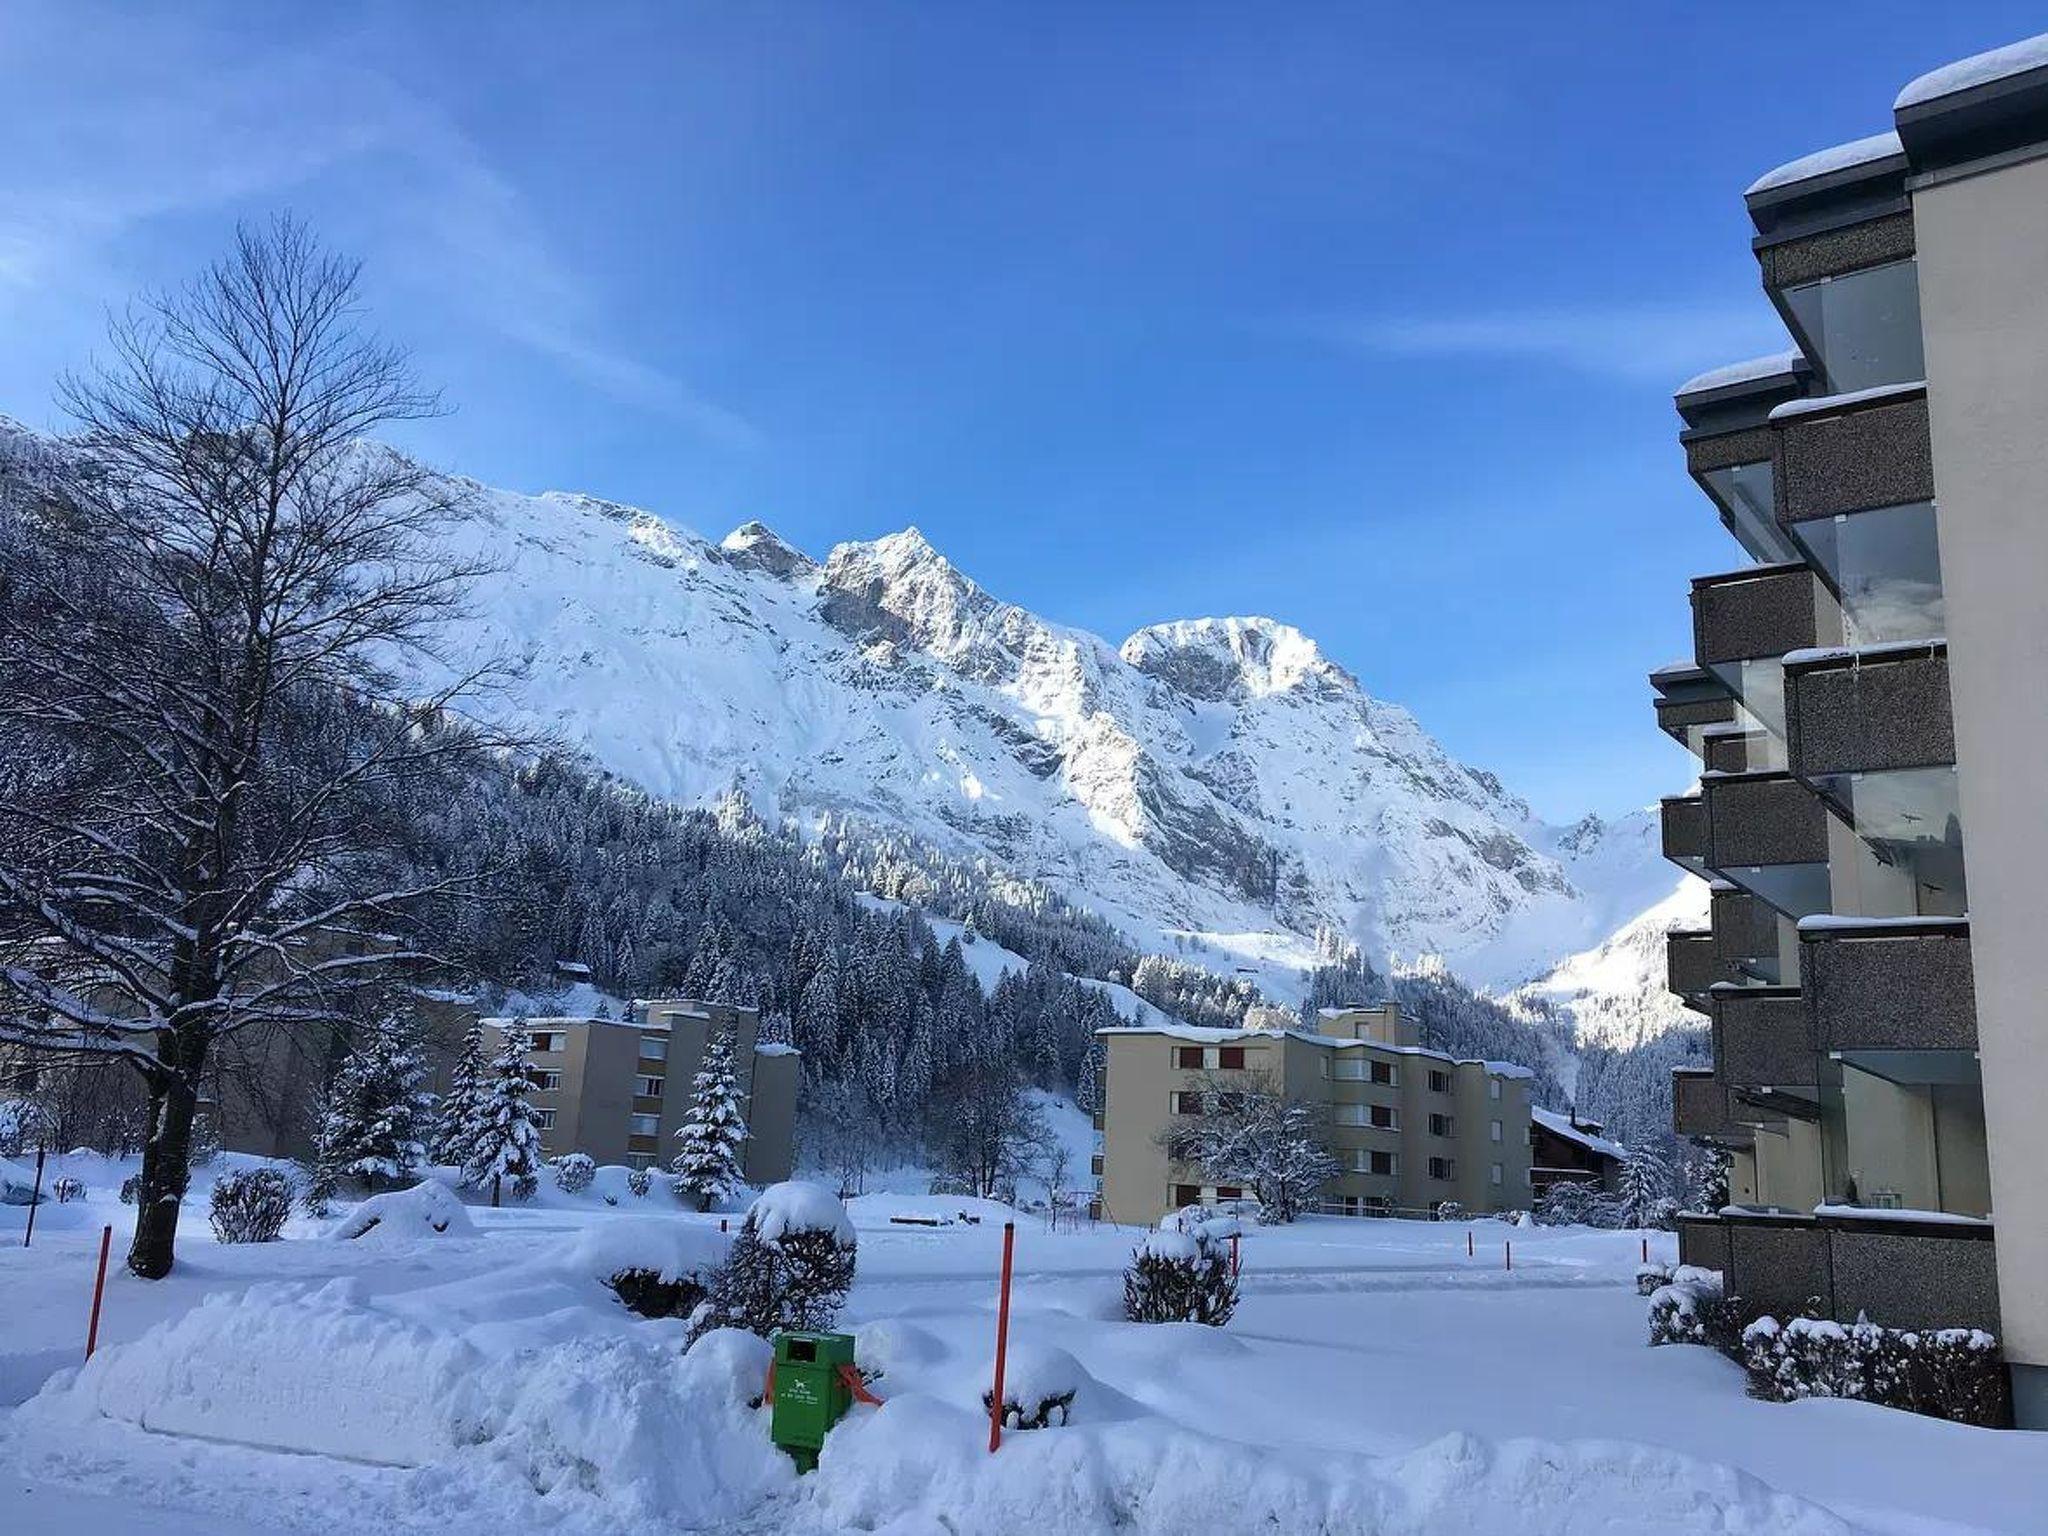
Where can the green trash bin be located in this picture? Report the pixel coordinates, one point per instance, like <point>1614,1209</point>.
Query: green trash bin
<point>811,1394</point>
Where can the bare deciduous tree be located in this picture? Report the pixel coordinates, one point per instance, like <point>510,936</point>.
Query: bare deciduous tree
<point>198,622</point>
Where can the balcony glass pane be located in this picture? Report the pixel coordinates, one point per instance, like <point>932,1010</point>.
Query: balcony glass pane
<point>1797,890</point>
<point>1759,688</point>
<point>1864,326</point>
<point>1745,494</point>
<point>1904,1130</point>
<point>1911,820</point>
<point>1884,567</point>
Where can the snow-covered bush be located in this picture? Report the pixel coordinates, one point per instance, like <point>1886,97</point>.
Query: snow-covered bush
<point>1693,1308</point>
<point>1952,1373</point>
<point>67,1189</point>
<point>427,1209</point>
<point>1040,1383</point>
<point>648,1293</point>
<point>1577,1203</point>
<point>639,1181</point>
<point>250,1206</point>
<point>1652,1277</point>
<point>128,1187</point>
<point>791,1264</point>
<point>1450,1210</point>
<point>1180,1277</point>
<point>735,1360</point>
<point>23,1124</point>
<point>574,1171</point>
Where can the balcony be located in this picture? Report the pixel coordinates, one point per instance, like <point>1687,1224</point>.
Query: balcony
<point>1690,701</point>
<point>1692,966</point>
<point>1897,1271</point>
<point>1702,1108</point>
<point>1853,453</point>
<point>1869,711</point>
<point>1900,984</point>
<point>1768,833</point>
<point>1745,934</point>
<point>1683,820</point>
<point>1763,1039</point>
<point>1746,615</point>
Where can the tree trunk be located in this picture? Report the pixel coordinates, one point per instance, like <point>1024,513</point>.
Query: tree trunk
<point>166,1170</point>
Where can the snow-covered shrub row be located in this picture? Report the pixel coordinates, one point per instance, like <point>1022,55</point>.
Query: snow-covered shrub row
<point>250,1206</point>
<point>1652,1277</point>
<point>1040,1383</point>
<point>1950,1373</point>
<point>1577,1203</point>
<point>791,1264</point>
<point>574,1171</point>
<point>1180,1277</point>
<point>1694,1309</point>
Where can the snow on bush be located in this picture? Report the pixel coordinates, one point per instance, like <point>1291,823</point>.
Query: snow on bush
<point>128,1187</point>
<point>427,1209</point>
<point>67,1189</point>
<point>1953,1373</point>
<point>640,1181</point>
<point>1040,1383</point>
<point>791,1263</point>
<point>1180,1277</point>
<point>250,1206</point>
<point>659,1267</point>
<point>574,1172</point>
<point>23,1124</point>
<point>894,1345</point>
<point>732,1362</point>
<point>1652,1277</point>
<point>1693,1309</point>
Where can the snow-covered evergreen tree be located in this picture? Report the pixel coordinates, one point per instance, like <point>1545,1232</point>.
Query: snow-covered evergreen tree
<point>458,1115</point>
<point>1645,1192</point>
<point>504,1143</point>
<point>714,1137</point>
<point>373,1116</point>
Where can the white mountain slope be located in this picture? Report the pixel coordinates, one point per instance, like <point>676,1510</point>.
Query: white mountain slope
<point>1212,783</point>
<point>1615,992</point>
<point>1215,782</point>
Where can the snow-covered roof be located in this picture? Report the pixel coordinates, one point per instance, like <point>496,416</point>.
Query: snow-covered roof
<point>1826,162</point>
<point>1561,1125</point>
<point>1821,403</point>
<point>1809,655</point>
<point>1978,69</point>
<point>1196,1034</point>
<point>1730,374</point>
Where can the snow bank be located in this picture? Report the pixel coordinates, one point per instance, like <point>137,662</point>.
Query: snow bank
<point>670,1246</point>
<point>731,1363</point>
<point>1035,1372</point>
<point>426,1210</point>
<point>799,1206</point>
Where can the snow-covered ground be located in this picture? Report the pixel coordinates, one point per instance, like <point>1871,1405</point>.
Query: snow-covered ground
<point>1375,1378</point>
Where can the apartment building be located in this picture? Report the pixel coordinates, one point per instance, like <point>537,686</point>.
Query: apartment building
<point>1865,699</point>
<point>1412,1127</point>
<point>620,1089</point>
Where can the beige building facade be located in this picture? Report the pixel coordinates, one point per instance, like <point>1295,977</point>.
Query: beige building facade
<point>620,1089</point>
<point>1412,1127</point>
<point>1866,702</point>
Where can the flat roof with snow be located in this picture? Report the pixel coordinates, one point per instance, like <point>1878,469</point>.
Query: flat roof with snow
<point>1195,1034</point>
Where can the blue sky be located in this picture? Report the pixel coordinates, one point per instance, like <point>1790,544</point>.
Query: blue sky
<point>1365,317</point>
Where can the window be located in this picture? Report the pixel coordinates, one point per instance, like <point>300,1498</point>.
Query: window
<point>1345,1069</point>
<point>543,1041</point>
<point>1230,1058</point>
<point>1383,1164</point>
<point>1439,1082</point>
<point>544,1082</point>
<point>544,1119</point>
<point>1493,1130</point>
<point>1188,1058</point>
<point>648,1087</point>
<point>1496,1173</point>
<point>1187,1194</point>
<point>639,1159</point>
<point>1493,1087</point>
<point>1187,1103</point>
<point>653,1048</point>
<point>1443,1125</point>
<point>1443,1167</point>
<point>1750,509</point>
<point>1380,1117</point>
<point>645,1125</point>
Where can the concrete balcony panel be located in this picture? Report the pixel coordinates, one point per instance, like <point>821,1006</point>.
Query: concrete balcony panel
<point>1907,1274</point>
<point>1763,1038</point>
<point>1683,820</point>
<point>1703,1242</point>
<point>1763,611</point>
<point>1869,711</point>
<point>1683,719</point>
<point>1692,966</point>
<point>1890,986</point>
<point>1762,818</point>
<point>1779,1265</point>
<point>1702,1109</point>
<point>1745,932</point>
<point>1867,453</point>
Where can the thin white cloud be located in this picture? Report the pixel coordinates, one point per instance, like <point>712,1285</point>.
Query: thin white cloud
<point>1660,343</point>
<point>124,120</point>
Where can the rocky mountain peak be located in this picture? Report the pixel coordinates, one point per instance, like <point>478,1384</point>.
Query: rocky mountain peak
<point>1233,658</point>
<point>754,546</point>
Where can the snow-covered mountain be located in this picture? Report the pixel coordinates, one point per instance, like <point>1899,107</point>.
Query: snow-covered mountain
<point>1214,784</point>
<point>1615,992</point>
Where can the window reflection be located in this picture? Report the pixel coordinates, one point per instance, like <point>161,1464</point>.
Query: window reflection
<point>1750,509</point>
<point>1884,566</point>
<point>1911,820</point>
<point>1864,327</point>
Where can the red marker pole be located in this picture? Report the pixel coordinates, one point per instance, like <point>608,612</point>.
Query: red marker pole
<point>99,1291</point>
<point>995,1401</point>
<point>1233,1256</point>
<point>1508,1249</point>
<point>35,1199</point>
<point>1468,1243</point>
<point>1646,1250</point>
